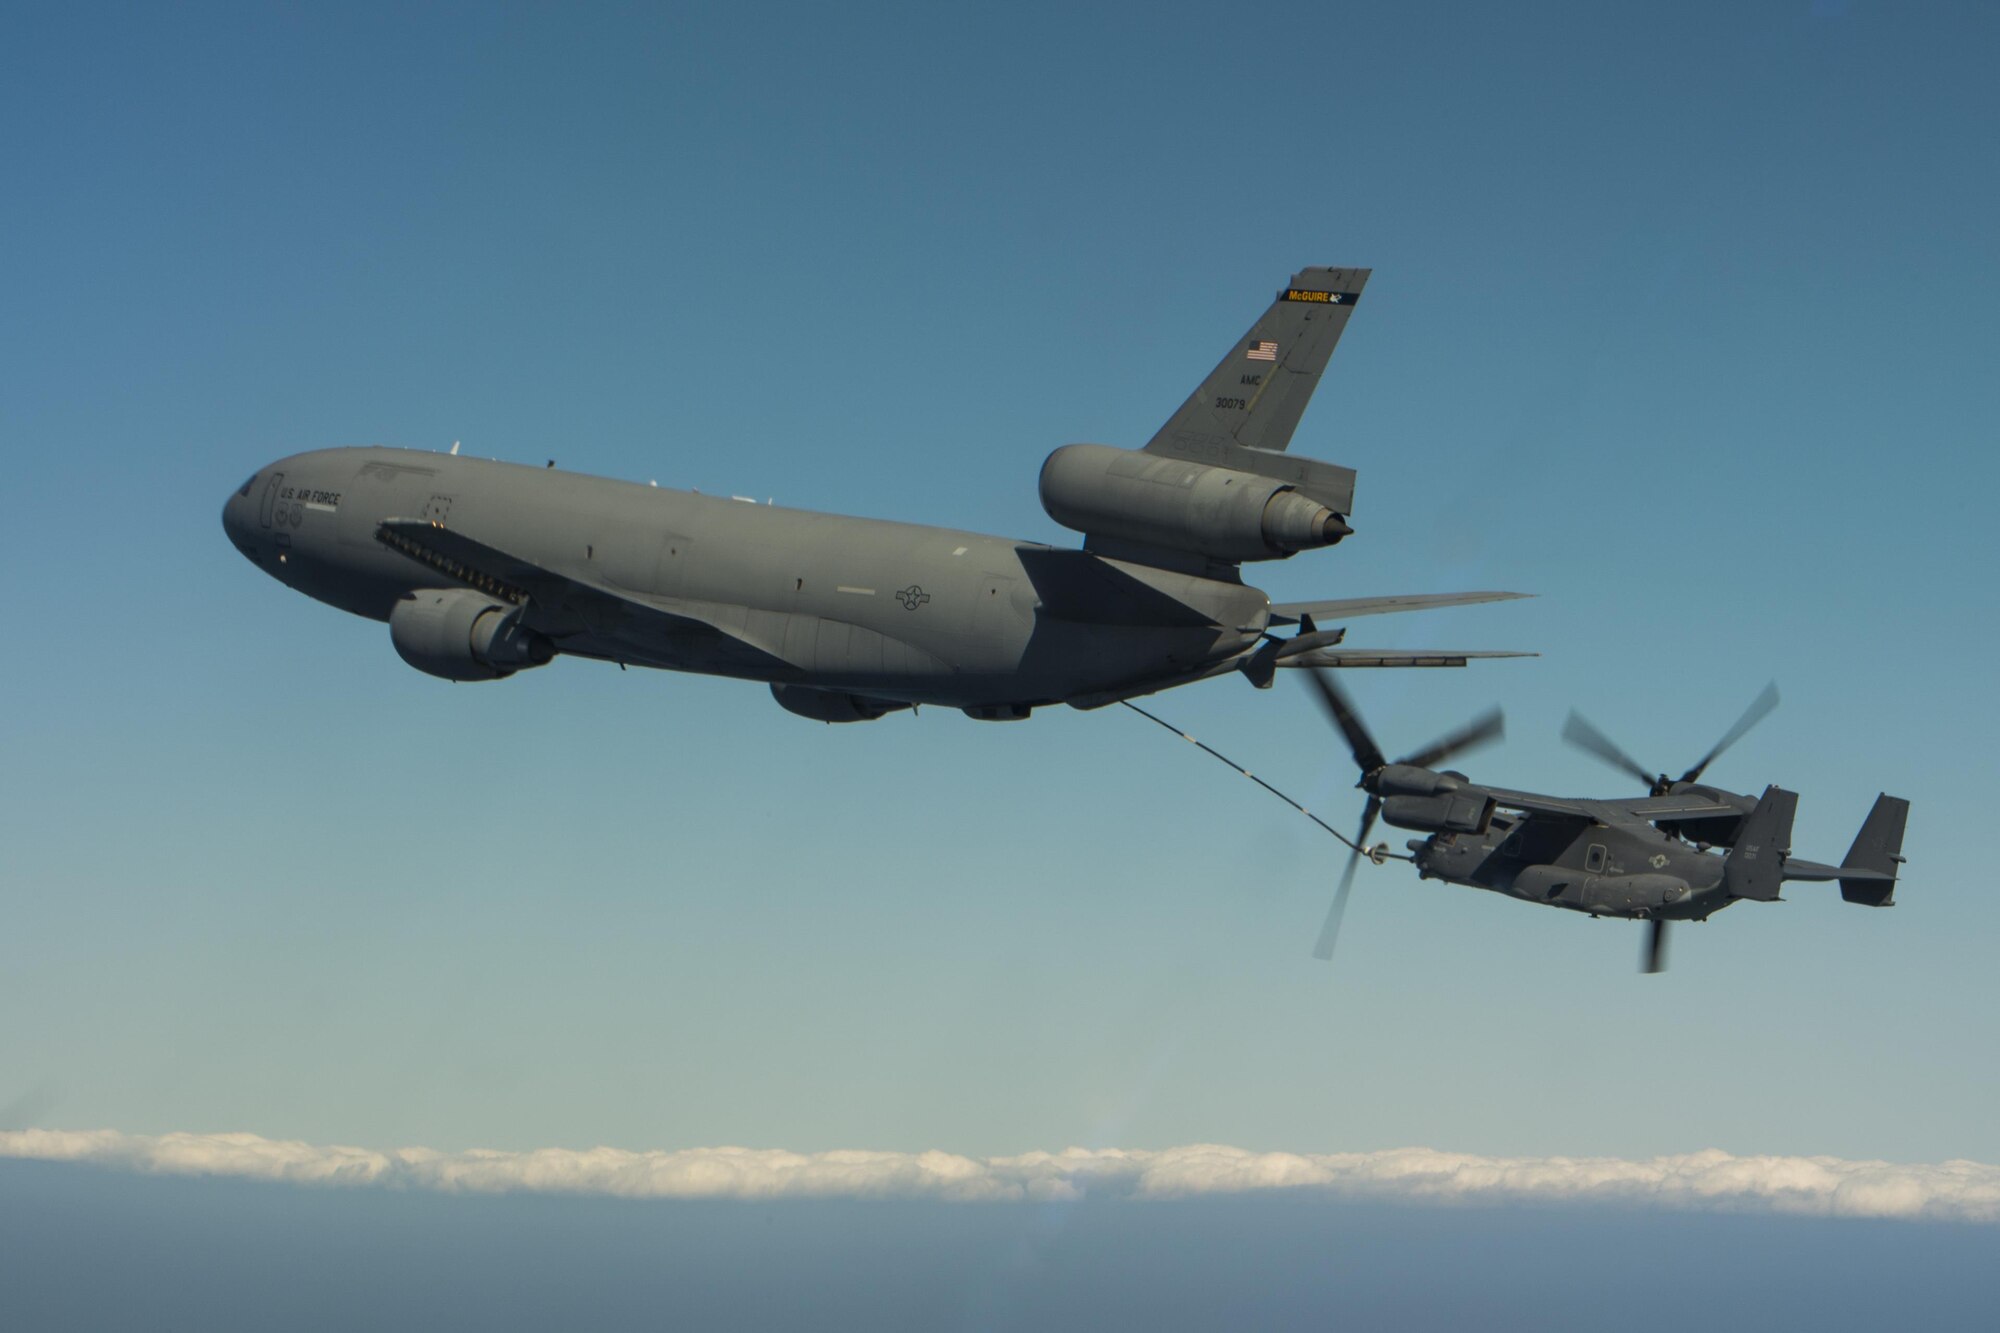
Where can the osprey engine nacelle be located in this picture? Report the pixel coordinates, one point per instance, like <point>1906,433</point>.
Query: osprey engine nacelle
<point>1410,780</point>
<point>460,634</point>
<point>1155,500</point>
<point>1465,811</point>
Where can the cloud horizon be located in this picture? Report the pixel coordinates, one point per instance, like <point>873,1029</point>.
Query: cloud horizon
<point>1707,1180</point>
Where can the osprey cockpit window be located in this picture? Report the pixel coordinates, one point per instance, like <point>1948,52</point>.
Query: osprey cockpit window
<point>244,493</point>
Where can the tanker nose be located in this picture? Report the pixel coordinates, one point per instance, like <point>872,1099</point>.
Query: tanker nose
<point>236,520</point>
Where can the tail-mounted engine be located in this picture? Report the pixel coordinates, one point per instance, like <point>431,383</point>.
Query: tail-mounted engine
<point>460,634</point>
<point>1223,513</point>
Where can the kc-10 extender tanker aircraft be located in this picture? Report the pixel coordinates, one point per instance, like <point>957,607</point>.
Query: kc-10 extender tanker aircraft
<point>482,568</point>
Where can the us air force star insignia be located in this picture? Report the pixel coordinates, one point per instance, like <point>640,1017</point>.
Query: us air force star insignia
<point>1659,859</point>
<point>912,597</point>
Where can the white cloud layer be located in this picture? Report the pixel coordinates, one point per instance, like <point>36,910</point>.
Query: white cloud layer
<point>1711,1179</point>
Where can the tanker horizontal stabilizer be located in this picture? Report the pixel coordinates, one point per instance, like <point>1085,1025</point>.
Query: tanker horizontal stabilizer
<point>1389,657</point>
<point>1347,608</point>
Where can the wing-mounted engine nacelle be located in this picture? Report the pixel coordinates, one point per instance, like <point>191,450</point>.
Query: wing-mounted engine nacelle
<point>831,705</point>
<point>460,634</point>
<point>1464,811</point>
<point>1218,512</point>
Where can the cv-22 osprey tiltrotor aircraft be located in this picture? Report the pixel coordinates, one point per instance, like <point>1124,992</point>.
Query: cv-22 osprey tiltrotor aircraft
<point>1645,858</point>
<point>482,568</point>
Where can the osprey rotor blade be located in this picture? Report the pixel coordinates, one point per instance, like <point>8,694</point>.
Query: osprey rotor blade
<point>1488,726</point>
<point>1656,945</point>
<point>1367,754</point>
<point>1759,709</point>
<point>1585,737</point>
<point>1329,931</point>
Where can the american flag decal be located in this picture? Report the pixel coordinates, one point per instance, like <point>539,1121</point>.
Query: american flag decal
<point>1262,352</point>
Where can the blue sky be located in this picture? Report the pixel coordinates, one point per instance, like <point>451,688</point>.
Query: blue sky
<point>1681,318</point>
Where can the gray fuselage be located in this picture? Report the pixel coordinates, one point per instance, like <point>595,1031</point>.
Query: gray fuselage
<point>1623,870</point>
<point>890,611</point>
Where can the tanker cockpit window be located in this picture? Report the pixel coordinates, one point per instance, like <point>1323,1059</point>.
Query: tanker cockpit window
<point>246,486</point>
